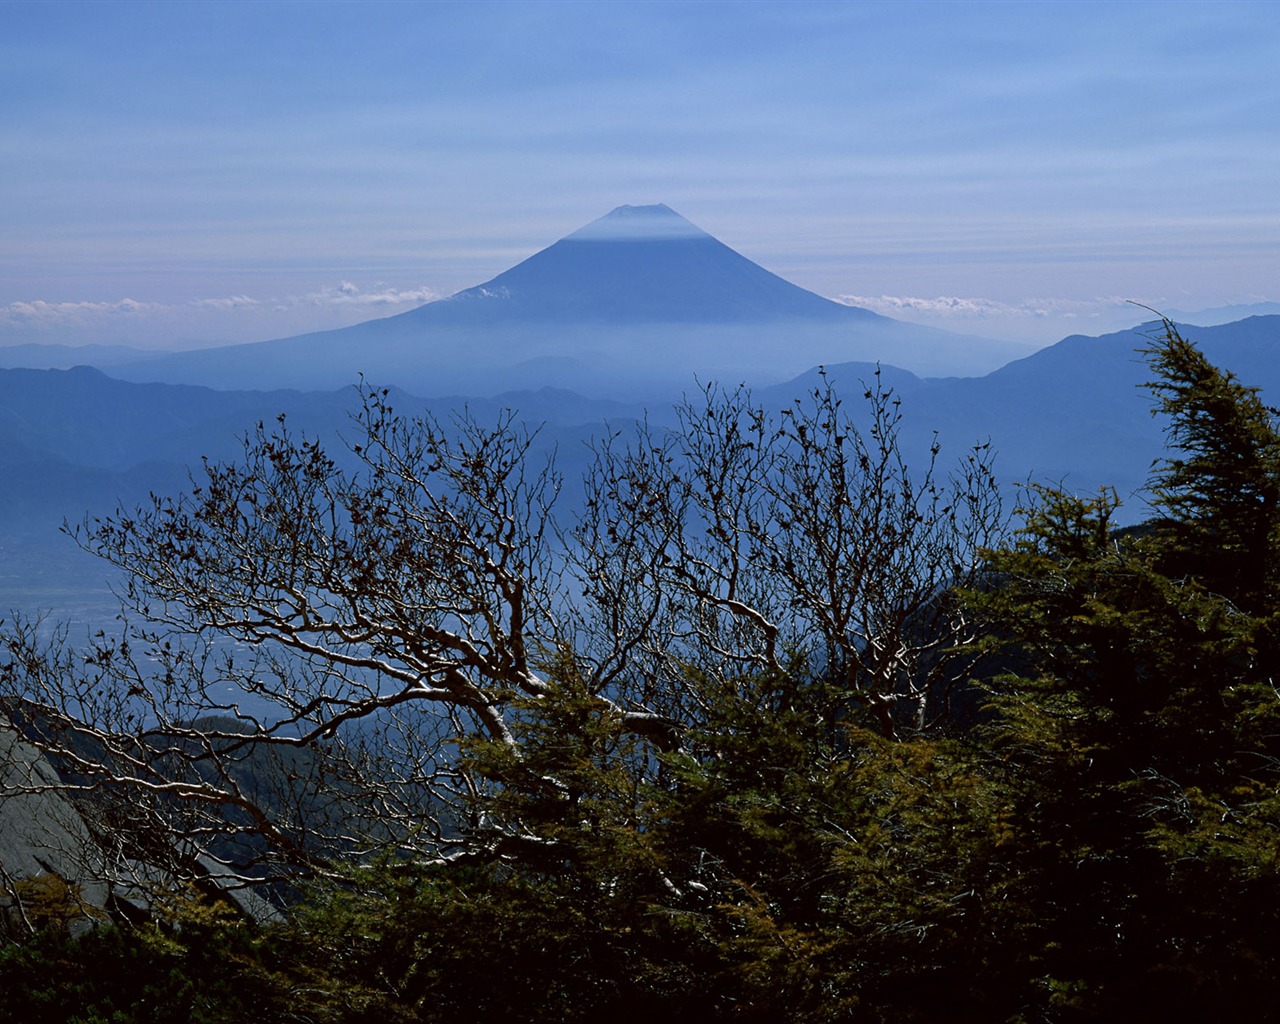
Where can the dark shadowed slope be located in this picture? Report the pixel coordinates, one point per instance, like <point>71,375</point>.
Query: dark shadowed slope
<point>632,305</point>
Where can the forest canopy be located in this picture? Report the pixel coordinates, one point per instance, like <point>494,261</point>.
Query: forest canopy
<point>773,726</point>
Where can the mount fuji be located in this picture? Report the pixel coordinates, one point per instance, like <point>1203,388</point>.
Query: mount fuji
<point>640,264</point>
<point>635,303</point>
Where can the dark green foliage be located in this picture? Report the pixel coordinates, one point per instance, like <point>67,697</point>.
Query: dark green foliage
<point>210,971</point>
<point>776,868</point>
<point>1140,739</point>
<point>1220,489</point>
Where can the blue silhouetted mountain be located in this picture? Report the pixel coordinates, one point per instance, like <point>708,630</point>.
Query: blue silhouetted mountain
<point>72,441</point>
<point>1075,412</point>
<point>633,305</point>
<point>639,265</point>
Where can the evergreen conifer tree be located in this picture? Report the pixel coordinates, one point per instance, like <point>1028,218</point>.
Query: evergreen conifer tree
<point>1219,492</point>
<point>1140,726</point>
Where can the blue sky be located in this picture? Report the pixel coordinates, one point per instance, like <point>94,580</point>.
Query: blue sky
<point>178,174</point>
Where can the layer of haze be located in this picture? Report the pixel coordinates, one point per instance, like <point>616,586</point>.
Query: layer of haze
<point>185,174</point>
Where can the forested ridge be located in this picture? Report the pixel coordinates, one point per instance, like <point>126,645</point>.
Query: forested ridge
<point>817,739</point>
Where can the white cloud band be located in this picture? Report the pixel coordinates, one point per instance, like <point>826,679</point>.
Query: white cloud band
<point>952,306</point>
<point>41,314</point>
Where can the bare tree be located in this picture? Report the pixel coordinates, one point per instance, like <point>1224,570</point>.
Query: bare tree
<point>746,541</point>
<point>288,621</point>
<point>308,640</point>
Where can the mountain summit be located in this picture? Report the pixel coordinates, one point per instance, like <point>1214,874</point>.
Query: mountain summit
<point>639,264</point>
<point>631,223</point>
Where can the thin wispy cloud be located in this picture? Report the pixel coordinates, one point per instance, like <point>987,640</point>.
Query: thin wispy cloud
<point>237,317</point>
<point>348,294</point>
<point>1033,320</point>
<point>971,307</point>
<point>39,313</point>
<point>230,302</point>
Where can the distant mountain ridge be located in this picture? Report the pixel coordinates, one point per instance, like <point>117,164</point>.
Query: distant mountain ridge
<point>53,356</point>
<point>78,441</point>
<point>1074,411</point>
<point>1224,314</point>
